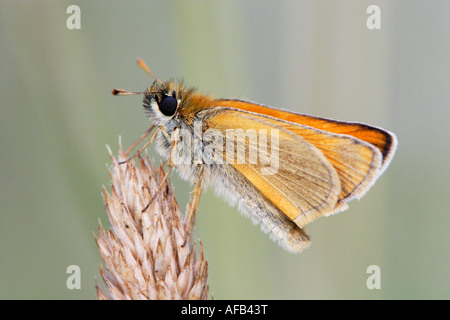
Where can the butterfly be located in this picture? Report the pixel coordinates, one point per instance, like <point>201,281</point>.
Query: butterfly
<point>282,169</point>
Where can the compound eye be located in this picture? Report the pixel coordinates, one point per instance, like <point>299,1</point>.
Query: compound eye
<point>168,105</point>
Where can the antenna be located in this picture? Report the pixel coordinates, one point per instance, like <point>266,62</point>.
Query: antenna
<point>144,67</point>
<point>120,92</point>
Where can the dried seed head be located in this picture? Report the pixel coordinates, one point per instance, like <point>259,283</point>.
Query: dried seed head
<point>148,252</point>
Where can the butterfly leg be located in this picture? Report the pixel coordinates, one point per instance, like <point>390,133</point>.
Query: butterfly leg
<point>193,204</point>
<point>150,140</point>
<point>173,140</point>
<point>170,165</point>
<point>145,135</point>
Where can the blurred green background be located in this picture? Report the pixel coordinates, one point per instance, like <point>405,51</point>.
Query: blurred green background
<point>313,57</point>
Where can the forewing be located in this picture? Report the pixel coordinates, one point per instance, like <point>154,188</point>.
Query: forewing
<point>299,179</point>
<point>383,140</point>
<point>360,153</point>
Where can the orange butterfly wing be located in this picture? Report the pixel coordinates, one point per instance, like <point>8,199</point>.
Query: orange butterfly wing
<point>384,140</point>
<point>318,170</point>
<point>353,183</point>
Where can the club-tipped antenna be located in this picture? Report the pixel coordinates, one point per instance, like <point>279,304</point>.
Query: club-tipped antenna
<point>120,92</point>
<point>144,67</point>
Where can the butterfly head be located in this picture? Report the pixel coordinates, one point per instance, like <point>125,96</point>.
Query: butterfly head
<point>162,101</point>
